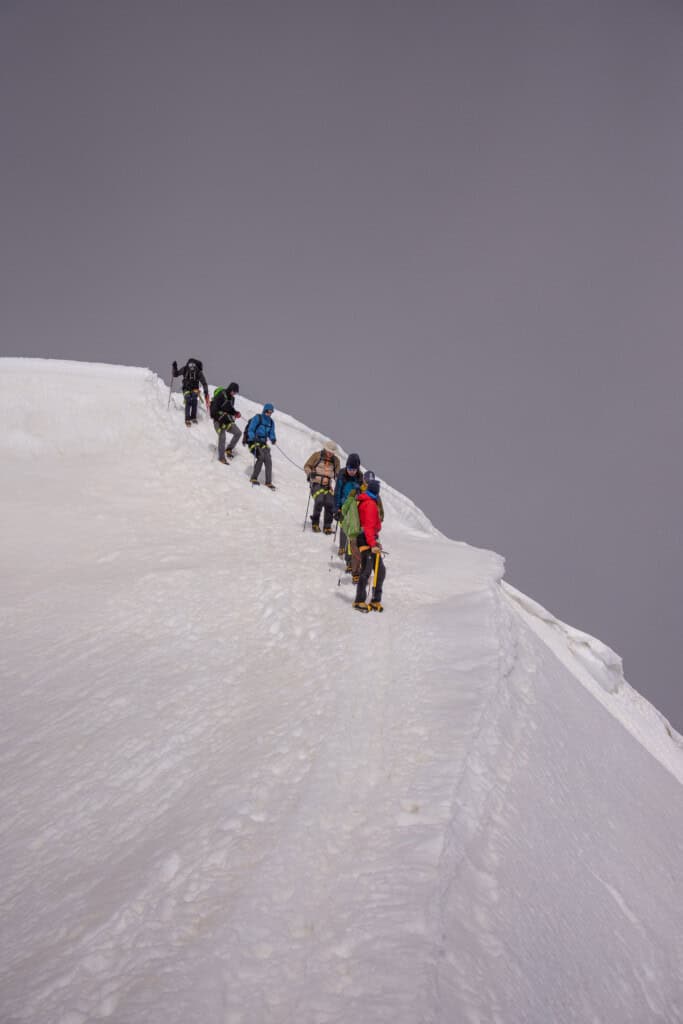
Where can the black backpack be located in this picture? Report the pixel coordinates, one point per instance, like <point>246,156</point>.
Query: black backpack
<point>246,430</point>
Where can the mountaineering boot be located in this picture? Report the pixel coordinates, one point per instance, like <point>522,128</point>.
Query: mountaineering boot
<point>328,530</point>
<point>255,482</point>
<point>355,577</point>
<point>348,569</point>
<point>229,453</point>
<point>188,423</point>
<point>376,606</point>
<point>315,527</point>
<point>361,606</point>
<point>226,462</point>
<point>340,552</point>
<point>271,487</point>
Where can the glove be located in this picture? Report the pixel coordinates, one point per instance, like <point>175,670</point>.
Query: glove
<point>337,514</point>
<point>377,550</point>
<point>175,368</point>
<point>238,415</point>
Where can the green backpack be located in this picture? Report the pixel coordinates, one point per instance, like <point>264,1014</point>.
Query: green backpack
<point>215,403</point>
<point>350,520</point>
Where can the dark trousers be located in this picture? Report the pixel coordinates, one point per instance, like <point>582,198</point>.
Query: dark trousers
<point>191,404</point>
<point>367,569</point>
<point>323,498</point>
<point>263,458</point>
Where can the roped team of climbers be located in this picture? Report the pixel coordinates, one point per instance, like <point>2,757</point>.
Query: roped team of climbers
<point>348,496</point>
<point>360,513</point>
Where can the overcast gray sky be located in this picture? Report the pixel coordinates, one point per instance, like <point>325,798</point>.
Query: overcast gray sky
<point>450,235</point>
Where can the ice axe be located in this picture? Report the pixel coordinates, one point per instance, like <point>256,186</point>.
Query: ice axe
<point>374,579</point>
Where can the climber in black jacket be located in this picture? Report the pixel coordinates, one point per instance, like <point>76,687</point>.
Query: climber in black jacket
<point>193,376</point>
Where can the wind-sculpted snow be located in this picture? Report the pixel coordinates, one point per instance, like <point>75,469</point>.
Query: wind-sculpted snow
<point>597,658</point>
<point>228,799</point>
<point>600,669</point>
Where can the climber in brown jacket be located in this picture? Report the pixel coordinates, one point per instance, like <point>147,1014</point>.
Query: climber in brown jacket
<point>321,471</point>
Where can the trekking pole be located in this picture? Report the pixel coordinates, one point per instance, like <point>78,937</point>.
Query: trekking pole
<point>306,516</point>
<point>347,554</point>
<point>333,548</point>
<point>170,390</point>
<point>341,577</point>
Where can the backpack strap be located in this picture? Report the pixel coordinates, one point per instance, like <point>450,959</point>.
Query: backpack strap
<point>252,425</point>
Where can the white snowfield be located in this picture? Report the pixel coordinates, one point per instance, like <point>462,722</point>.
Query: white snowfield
<point>227,798</point>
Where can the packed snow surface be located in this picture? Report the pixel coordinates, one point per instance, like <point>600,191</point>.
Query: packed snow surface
<point>229,799</point>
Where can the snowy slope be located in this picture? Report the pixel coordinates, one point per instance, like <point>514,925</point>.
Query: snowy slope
<point>227,799</point>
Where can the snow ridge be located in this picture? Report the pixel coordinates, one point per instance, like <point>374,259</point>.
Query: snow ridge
<point>229,799</point>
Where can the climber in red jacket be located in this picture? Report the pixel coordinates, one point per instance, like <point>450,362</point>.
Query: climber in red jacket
<point>370,550</point>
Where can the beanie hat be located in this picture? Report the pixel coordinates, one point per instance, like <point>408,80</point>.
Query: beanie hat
<point>329,446</point>
<point>368,475</point>
<point>353,461</point>
<point>269,407</point>
<point>373,486</point>
<point>233,387</point>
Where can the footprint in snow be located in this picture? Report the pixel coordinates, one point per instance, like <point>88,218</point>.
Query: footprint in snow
<point>169,868</point>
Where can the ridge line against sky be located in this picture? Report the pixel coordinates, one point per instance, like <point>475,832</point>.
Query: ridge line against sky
<point>449,236</point>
